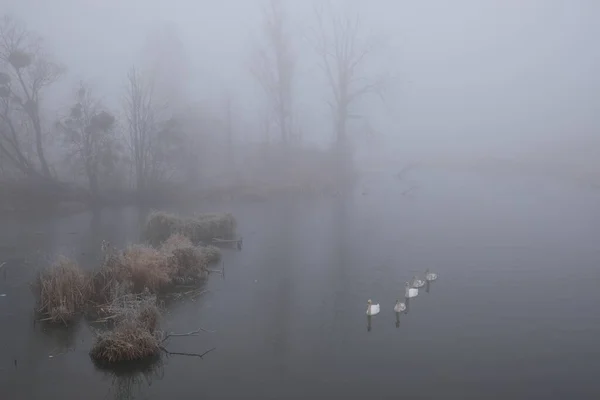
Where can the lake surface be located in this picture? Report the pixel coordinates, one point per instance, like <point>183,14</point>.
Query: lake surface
<point>514,314</point>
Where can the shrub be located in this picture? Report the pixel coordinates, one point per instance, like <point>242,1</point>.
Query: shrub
<point>62,290</point>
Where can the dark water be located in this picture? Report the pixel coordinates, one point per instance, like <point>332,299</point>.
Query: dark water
<point>514,314</point>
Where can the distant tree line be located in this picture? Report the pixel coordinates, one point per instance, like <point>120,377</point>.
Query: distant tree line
<point>150,141</point>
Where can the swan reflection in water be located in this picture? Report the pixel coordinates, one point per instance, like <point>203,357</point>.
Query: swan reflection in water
<point>407,303</point>
<point>429,277</point>
<point>368,323</point>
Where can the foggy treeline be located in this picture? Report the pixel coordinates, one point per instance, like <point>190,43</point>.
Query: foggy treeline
<point>153,135</point>
<point>111,99</point>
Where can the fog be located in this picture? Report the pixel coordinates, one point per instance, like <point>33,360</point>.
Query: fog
<point>465,79</point>
<point>264,174</point>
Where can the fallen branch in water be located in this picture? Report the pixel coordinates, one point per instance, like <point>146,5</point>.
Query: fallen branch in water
<point>219,240</point>
<point>193,333</point>
<point>172,353</point>
<point>194,293</point>
<point>238,242</point>
<point>3,264</point>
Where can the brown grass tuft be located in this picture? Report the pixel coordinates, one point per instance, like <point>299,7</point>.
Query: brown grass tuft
<point>128,341</point>
<point>147,268</point>
<point>189,263</point>
<point>212,254</point>
<point>62,290</point>
<point>160,226</point>
<point>134,336</point>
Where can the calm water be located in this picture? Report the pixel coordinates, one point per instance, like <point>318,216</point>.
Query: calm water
<point>514,314</point>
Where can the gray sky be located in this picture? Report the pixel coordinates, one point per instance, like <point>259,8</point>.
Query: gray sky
<point>501,75</point>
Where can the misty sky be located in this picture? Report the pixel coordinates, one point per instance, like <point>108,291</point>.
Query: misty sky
<point>505,75</point>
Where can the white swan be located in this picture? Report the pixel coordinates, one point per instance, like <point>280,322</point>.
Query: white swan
<point>430,276</point>
<point>410,292</point>
<point>372,309</point>
<point>417,283</point>
<point>399,307</point>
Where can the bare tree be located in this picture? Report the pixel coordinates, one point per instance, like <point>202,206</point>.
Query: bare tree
<point>141,114</point>
<point>26,72</point>
<point>88,134</point>
<point>344,50</point>
<point>273,67</point>
<point>14,137</point>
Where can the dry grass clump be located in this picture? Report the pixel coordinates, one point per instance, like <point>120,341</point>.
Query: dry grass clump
<point>134,336</point>
<point>137,268</point>
<point>200,228</point>
<point>111,280</point>
<point>147,267</point>
<point>62,290</point>
<point>190,262</point>
<point>212,254</point>
<point>126,342</point>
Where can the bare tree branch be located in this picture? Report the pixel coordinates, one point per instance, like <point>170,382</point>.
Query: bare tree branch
<point>273,66</point>
<point>344,53</point>
<point>23,61</point>
<point>193,333</point>
<point>200,355</point>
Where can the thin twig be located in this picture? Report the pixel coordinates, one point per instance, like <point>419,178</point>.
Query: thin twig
<point>195,293</point>
<point>193,333</point>
<point>3,264</point>
<point>218,240</point>
<point>172,353</point>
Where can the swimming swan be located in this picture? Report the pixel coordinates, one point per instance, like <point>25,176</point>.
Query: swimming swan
<point>410,292</point>
<point>417,283</point>
<point>372,309</point>
<point>399,307</point>
<point>430,276</point>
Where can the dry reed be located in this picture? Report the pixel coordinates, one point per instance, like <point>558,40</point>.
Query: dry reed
<point>62,290</point>
<point>200,228</point>
<point>134,336</point>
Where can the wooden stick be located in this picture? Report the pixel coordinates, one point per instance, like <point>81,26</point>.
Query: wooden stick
<point>193,333</point>
<point>172,353</point>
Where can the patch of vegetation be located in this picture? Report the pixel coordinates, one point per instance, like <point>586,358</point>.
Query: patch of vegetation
<point>190,262</point>
<point>134,335</point>
<point>200,228</point>
<point>122,292</point>
<point>62,291</point>
<point>147,268</point>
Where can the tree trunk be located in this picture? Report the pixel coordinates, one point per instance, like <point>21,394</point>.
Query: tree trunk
<point>39,144</point>
<point>93,180</point>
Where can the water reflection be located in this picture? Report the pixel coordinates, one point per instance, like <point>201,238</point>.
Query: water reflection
<point>129,379</point>
<point>368,323</point>
<point>60,338</point>
<point>398,319</point>
<point>407,302</point>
